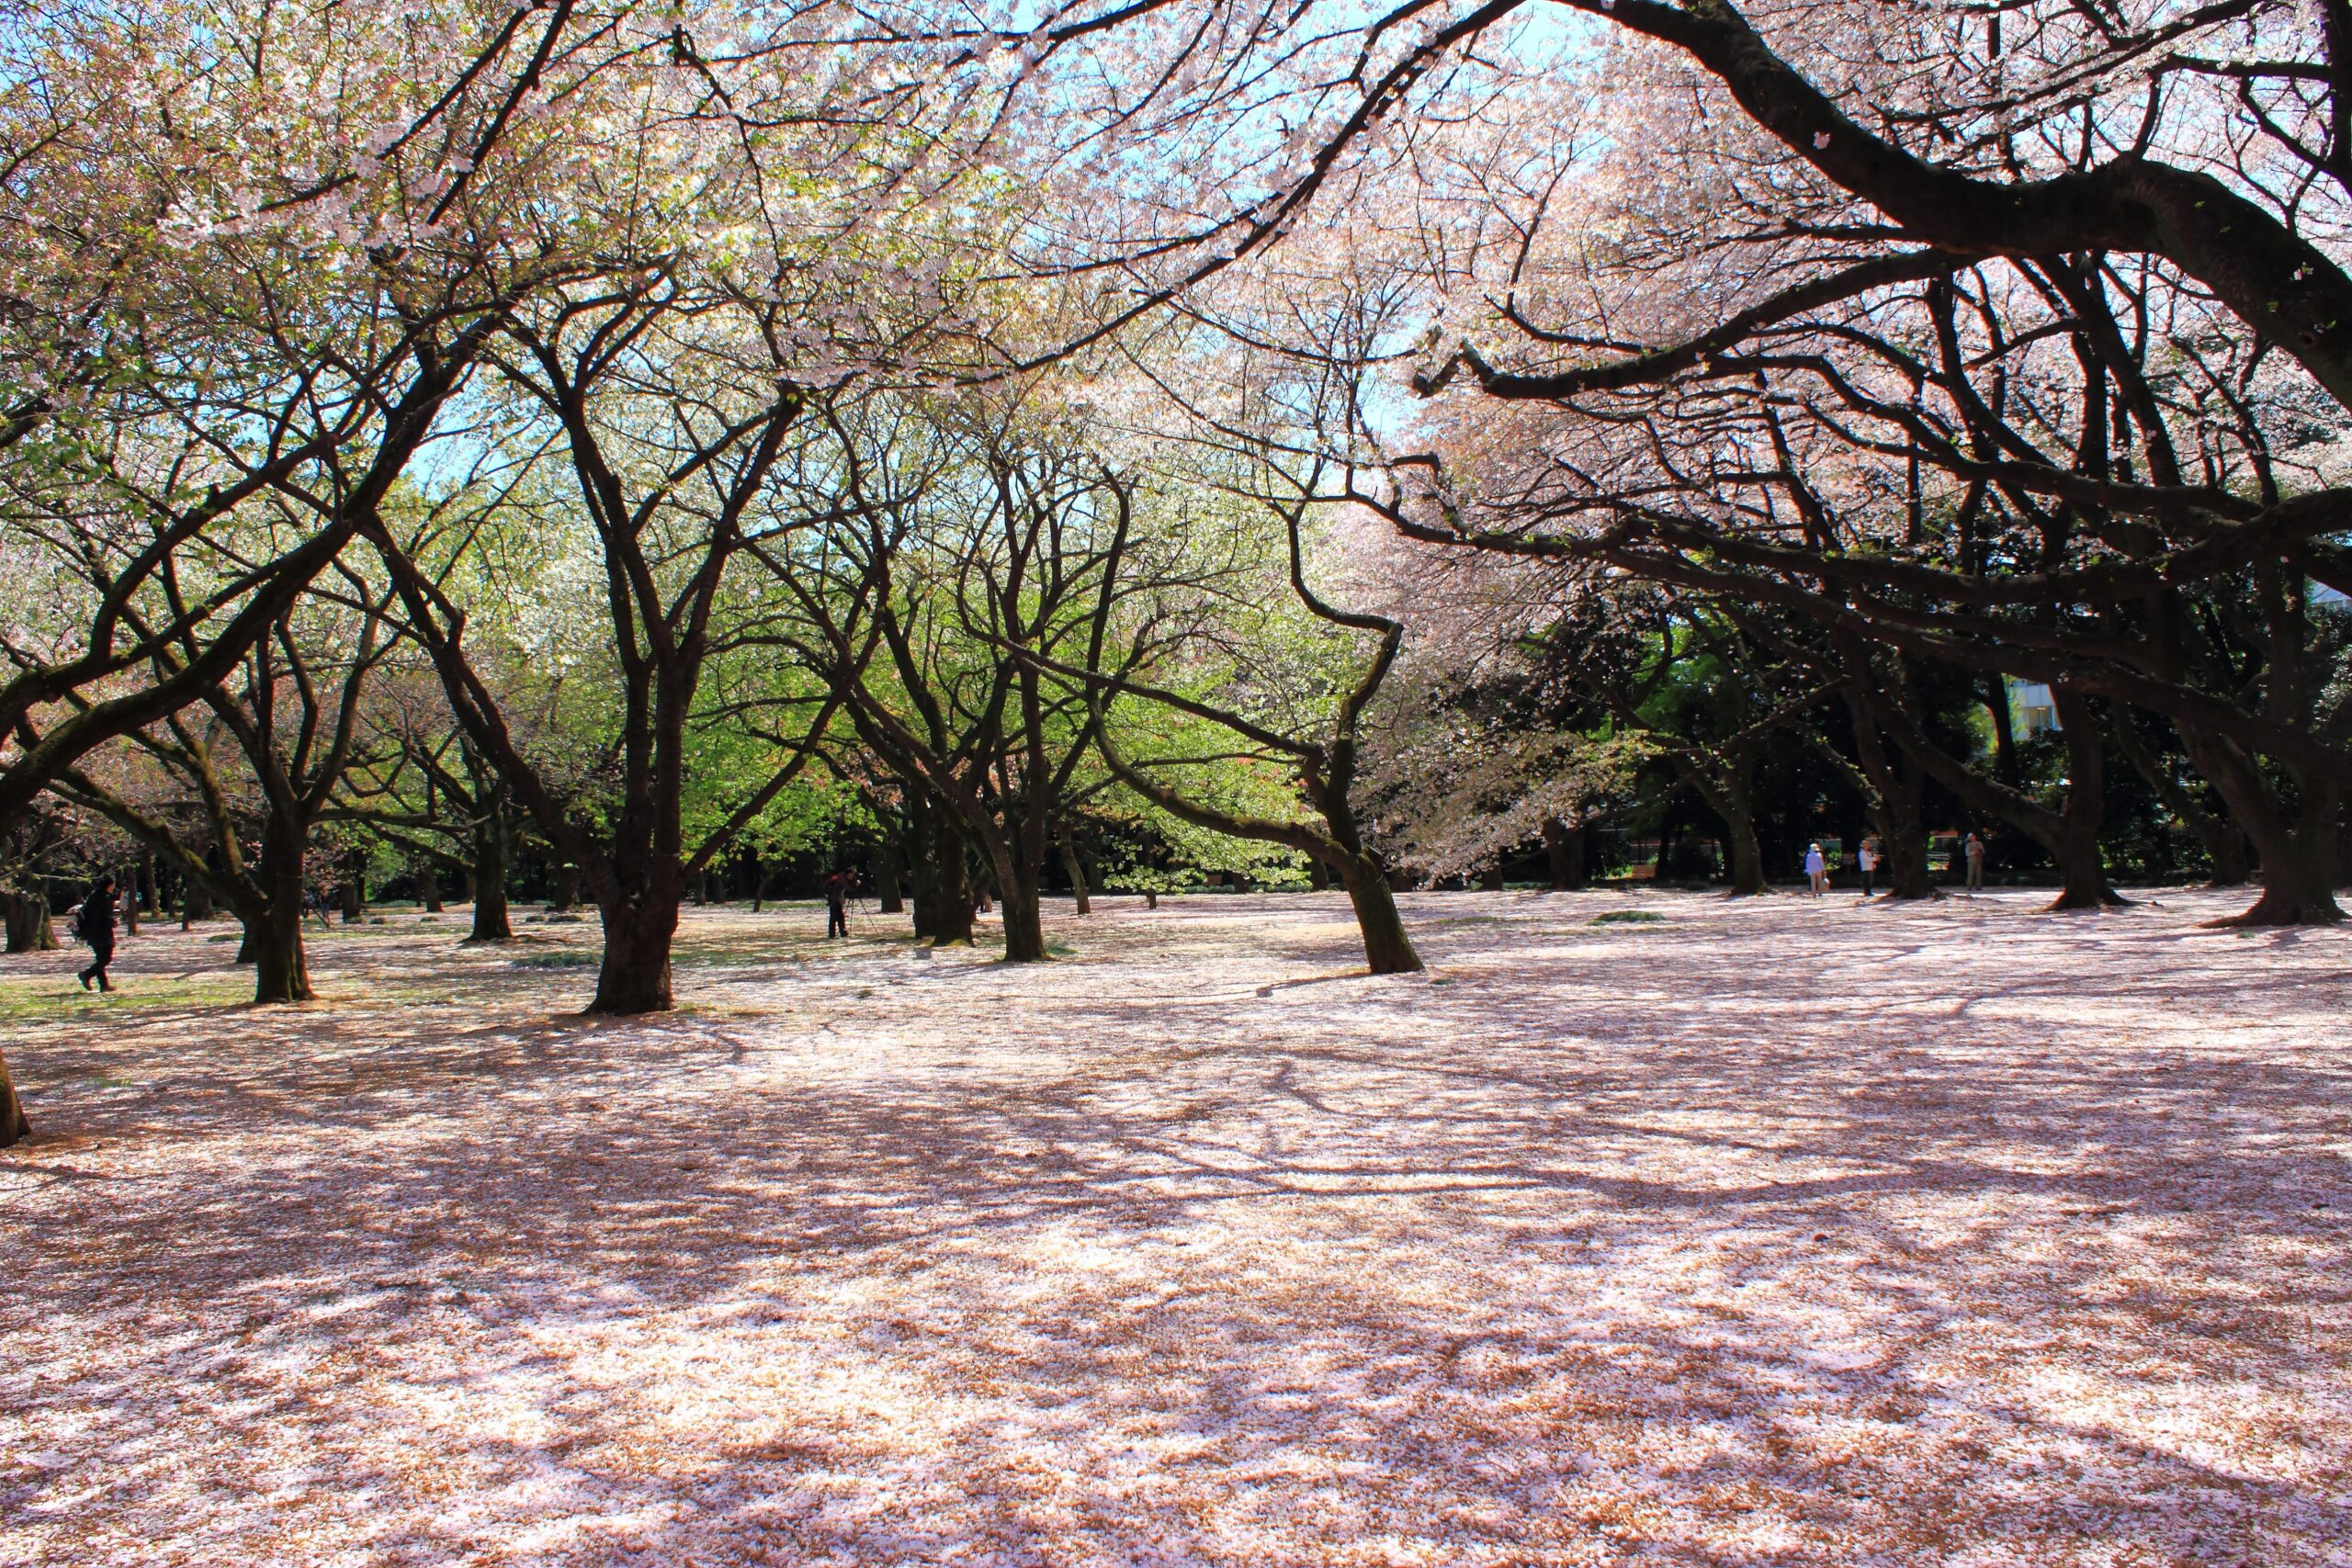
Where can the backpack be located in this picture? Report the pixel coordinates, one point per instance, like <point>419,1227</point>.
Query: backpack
<point>85,918</point>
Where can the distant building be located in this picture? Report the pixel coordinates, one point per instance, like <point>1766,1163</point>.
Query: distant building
<point>2031,707</point>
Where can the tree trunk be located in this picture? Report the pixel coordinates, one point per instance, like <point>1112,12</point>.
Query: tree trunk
<point>2005,736</point>
<point>1893,804</point>
<point>943,887</point>
<point>355,899</point>
<point>1490,878</point>
<point>2298,855</point>
<point>281,968</point>
<point>1387,949</point>
<point>273,921</point>
<point>490,923</point>
<point>1563,850</point>
<point>428,884</point>
<point>1746,853</point>
<point>1731,799</point>
<point>566,894</point>
<point>889,898</point>
<point>639,926</point>
<point>2082,869</point>
<point>25,917</point>
<point>1319,876</point>
<point>1076,872</point>
<point>1024,930</point>
<point>195,901</point>
<point>14,1127</point>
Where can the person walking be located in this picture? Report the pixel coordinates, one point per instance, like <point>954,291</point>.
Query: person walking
<point>1975,853</point>
<point>1866,858</point>
<point>837,906</point>
<point>94,923</point>
<point>1816,869</point>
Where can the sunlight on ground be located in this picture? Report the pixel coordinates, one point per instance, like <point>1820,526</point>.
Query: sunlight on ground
<point>1777,1232</point>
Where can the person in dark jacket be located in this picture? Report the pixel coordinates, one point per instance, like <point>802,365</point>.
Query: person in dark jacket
<point>94,923</point>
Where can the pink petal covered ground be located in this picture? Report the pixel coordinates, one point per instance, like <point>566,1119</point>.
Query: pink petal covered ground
<point>1774,1232</point>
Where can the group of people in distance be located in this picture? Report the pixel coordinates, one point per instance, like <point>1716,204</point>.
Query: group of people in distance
<point>1969,852</point>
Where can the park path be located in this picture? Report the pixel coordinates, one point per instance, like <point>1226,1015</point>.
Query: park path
<point>1775,1232</point>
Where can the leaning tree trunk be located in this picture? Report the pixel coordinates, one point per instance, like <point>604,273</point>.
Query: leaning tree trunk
<point>640,923</point>
<point>2225,847</point>
<point>1073,869</point>
<point>1387,949</point>
<point>490,923</point>
<point>14,1127</point>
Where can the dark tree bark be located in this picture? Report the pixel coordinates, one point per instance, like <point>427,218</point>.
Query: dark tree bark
<point>428,884</point>
<point>2081,866</point>
<point>2298,850</point>
<point>29,929</point>
<point>638,928</point>
<point>889,890</point>
<point>1564,852</point>
<point>1073,868</point>
<point>944,894</point>
<point>14,1126</point>
<point>1730,797</point>
<point>489,874</point>
<point>1023,916</point>
<point>1892,794</point>
<point>1387,950</point>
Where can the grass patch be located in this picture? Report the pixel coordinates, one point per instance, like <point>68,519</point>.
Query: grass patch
<point>1627,918</point>
<point>54,1000</point>
<point>566,958</point>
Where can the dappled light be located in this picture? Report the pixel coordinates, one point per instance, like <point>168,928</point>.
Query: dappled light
<point>1767,1231</point>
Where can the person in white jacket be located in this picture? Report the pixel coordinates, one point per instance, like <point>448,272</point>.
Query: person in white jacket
<point>1816,869</point>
